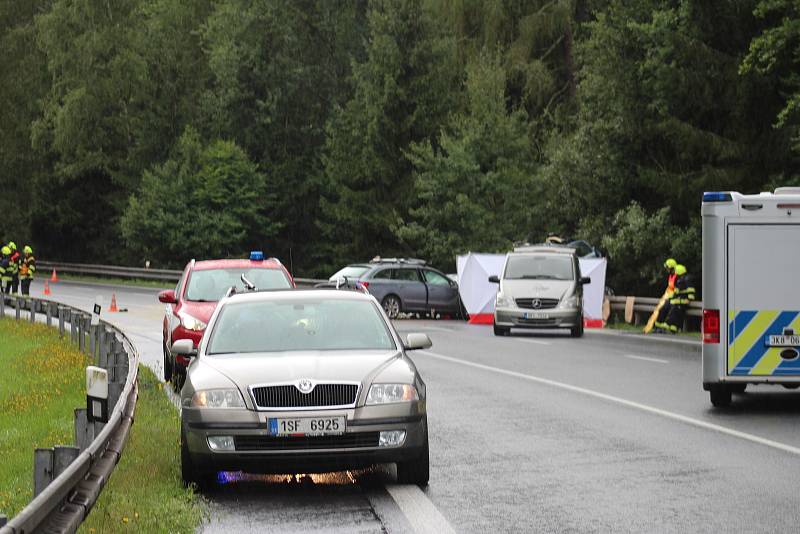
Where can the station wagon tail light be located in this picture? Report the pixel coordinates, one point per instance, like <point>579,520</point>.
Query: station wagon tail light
<point>710,326</point>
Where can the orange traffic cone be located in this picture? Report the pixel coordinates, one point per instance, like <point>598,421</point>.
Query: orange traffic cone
<point>113,307</point>
<point>47,288</point>
<point>54,276</point>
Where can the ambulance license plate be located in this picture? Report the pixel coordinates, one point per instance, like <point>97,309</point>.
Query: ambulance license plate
<point>535,315</point>
<point>783,341</point>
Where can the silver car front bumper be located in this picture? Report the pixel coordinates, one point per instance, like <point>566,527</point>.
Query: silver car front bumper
<point>552,318</point>
<point>258,452</point>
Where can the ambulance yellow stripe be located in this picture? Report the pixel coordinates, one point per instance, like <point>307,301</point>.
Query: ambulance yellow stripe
<point>772,358</point>
<point>752,332</point>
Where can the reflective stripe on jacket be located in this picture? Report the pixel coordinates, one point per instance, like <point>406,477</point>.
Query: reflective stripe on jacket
<point>684,291</point>
<point>27,267</point>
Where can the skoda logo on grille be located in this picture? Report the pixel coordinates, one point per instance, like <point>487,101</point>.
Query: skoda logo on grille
<point>536,303</point>
<point>305,385</point>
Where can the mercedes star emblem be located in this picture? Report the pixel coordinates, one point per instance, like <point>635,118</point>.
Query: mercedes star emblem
<point>536,303</point>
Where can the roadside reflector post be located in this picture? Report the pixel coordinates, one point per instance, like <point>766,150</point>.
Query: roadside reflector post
<point>96,394</point>
<point>84,432</point>
<point>62,457</point>
<point>42,470</point>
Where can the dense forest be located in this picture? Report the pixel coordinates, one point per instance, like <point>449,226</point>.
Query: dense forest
<point>326,132</point>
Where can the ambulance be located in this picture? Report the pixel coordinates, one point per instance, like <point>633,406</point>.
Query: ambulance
<point>751,291</point>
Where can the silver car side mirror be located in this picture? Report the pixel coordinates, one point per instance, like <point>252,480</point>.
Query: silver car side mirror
<point>184,347</point>
<point>418,341</point>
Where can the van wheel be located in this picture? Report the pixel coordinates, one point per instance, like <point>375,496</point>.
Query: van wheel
<point>720,395</point>
<point>577,331</point>
<point>391,305</point>
<point>501,330</point>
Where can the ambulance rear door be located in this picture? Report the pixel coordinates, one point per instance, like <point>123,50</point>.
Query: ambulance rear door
<point>763,287</point>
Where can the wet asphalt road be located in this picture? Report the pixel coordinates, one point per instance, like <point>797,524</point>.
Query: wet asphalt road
<point>538,433</point>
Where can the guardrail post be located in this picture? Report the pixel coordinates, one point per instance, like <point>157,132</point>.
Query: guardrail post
<point>16,308</point>
<point>62,457</point>
<point>102,340</point>
<point>62,312</point>
<point>42,470</point>
<point>32,304</point>
<point>92,340</point>
<point>84,432</point>
<point>81,333</point>
<point>2,304</point>
<point>3,520</point>
<point>72,326</point>
<point>48,313</point>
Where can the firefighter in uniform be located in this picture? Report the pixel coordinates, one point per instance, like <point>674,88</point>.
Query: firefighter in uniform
<point>681,297</point>
<point>5,276</point>
<point>27,269</point>
<point>14,267</point>
<point>663,313</point>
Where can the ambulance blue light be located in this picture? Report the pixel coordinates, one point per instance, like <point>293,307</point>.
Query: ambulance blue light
<point>717,196</point>
<point>256,255</point>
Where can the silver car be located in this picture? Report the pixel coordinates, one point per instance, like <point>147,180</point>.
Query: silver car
<point>540,287</point>
<point>302,381</point>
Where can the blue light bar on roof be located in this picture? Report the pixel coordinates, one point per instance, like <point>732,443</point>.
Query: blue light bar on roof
<point>717,196</point>
<point>256,255</point>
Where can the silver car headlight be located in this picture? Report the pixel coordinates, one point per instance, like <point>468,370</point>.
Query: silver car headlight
<point>389,393</point>
<point>569,302</point>
<point>503,301</point>
<point>218,398</point>
<point>191,323</point>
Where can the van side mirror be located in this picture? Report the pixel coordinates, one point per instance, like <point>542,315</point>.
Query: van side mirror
<point>494,279</point>
<point>585,280</point>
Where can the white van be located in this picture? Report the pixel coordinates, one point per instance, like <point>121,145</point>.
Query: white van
<point>751,291</point>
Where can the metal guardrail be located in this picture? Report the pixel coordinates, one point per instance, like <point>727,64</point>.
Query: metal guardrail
<point>68,498</point>
<point>135,273</point>
<point>645,306</point>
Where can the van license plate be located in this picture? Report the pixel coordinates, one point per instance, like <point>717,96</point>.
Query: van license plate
<point>783,341</point>
<point>535,315</point>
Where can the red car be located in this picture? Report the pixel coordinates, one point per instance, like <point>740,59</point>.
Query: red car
<point>202,284</point>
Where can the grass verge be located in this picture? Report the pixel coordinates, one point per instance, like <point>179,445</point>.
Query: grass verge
<point>42,381</point>
<point>158,284</point>
<point>145,493</point>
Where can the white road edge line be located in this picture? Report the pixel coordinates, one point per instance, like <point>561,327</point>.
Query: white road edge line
<point>645,358</point>
<point>631,404</point>
<point>419,510</point>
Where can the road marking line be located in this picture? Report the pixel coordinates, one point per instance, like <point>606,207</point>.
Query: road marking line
<point>535,341</point>
<point>419,510</point>
<point>645,358</point>
<point>631,404</point>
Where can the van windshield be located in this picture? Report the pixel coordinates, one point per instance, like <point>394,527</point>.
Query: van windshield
<point>539,267</point>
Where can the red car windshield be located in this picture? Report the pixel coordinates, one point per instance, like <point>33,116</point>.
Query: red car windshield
<point>211,285</point>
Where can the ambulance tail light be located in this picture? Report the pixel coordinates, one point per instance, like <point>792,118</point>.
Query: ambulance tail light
<point>710,326</point>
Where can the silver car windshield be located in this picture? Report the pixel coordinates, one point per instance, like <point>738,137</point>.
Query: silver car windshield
<point>544,267</point>
<point>211,285</point>
<point>295,325</point>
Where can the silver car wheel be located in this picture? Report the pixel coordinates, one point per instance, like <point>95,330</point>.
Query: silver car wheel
<point>391,305</point>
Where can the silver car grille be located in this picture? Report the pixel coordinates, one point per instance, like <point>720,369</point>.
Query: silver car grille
<point>288,396</point>
<point>531,303</point>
